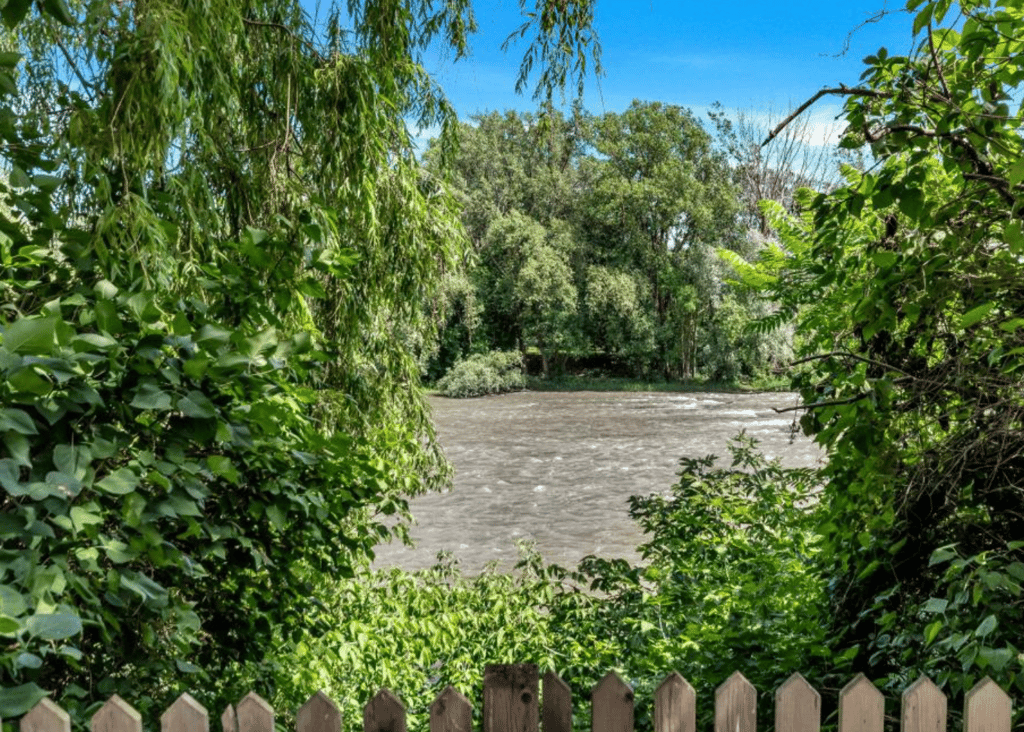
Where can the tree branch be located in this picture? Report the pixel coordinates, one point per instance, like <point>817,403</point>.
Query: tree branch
<point>843,90</point>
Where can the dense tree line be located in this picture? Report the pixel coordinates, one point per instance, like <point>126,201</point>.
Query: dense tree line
<point>601,234</point>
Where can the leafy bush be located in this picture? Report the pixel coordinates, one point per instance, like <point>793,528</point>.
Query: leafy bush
<point>729,583</point>
<point>484,373</point>
<point>161,471</point>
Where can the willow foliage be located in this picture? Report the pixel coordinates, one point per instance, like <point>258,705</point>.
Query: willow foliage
<point>216,241</point>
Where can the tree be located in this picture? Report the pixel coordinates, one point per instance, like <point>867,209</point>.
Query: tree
<point>215,247</point>
<point>906,283</point>
<point>659,193</point>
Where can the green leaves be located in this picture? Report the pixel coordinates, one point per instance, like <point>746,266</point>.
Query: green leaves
<point>33,335</point>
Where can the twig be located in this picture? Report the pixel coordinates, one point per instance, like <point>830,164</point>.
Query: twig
<point>844,90</point>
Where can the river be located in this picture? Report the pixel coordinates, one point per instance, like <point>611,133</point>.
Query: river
<point>559,467</point>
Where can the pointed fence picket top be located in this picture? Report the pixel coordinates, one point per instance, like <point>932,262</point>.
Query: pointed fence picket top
<point>254,714</point>
<point>987,708</point>
<point>736,705</point>
<point>510,698</point>
<point>797,706</point>
<point>675,705</point>
<point>45,716</point>
<point>556,713</point>
<point>450,712</point>
<point>384,713</point>
<point>318,714</point>
<point>861,706</point>
<point>185,715</point>
<point>228,719</point>
<point>116,716</point>
<point>924,707</point>
<point>612,701</point>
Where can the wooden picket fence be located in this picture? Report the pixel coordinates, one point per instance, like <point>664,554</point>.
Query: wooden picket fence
<point>510,704</point>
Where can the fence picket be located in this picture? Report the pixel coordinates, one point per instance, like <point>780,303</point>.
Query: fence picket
<point>254,714</point>
<point>384,713</point>
<point>861,706</point>
<point>557,708</point>
<point>987,708</point>
<point>228,719</point>
<point>510,698</point>
<point>451,712</point>
<point>797,706</point>
<point>318,714</point>
<point>736,705</point>
<point>45,716</point>
<point>116,715</point>
<point>612,701</point>
<point>185,715</point>
<point>924,707</point>
<point>675,705</point>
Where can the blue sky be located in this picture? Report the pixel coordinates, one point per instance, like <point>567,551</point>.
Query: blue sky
<point>752,56</point>
<point>761,57</point>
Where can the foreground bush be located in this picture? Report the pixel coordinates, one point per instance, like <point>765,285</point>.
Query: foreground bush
<point>728,583</point>
<point>484,373</point>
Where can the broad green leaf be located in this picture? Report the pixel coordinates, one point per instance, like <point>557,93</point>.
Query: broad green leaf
<point>987,626</point>
<point>34,335</point>
<point>18,448</point>
<point>12,602</point>
<point>54,626</point>
<point>28,660</point>
<point>82,518</point>
<point>150,396</point>
<point>931,631</point>
<point>936,605</point>
<point>18,421</point>
<point>1016,174</point>
<point>195,404</point>
<point>9,625</point>
<point>975,315</point>
<point>17,700</point>
<point>884,259</point>
<point>121,482</point>
<point>10,59</point>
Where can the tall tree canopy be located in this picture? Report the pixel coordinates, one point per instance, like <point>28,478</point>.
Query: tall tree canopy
<point>906,282</point>
<point>215,243</point>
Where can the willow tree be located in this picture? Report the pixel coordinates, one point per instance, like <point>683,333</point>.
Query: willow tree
<point>215,244</point>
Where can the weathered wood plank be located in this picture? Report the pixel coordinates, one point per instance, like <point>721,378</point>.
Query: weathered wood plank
<point>675,705</point>
<point>45,716</point>
<point>116,716</point>
<point>510,698</point>
<point>556,711</point>
<point>384,713</point>
<point>861,706</point>
<point>185,715</point>
<point>318,714</point>
<point>612,700</point>
<point>254,714</point>
<point>228,719</point>
<point>451,712</point>
<point>987,708</point>
<point>924,707</point>
<point>797,706</point>
<point>736,705</point>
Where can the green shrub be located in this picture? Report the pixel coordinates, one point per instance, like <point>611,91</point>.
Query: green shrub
<point>484,373</point>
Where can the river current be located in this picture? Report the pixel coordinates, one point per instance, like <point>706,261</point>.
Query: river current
<point>558,468</point>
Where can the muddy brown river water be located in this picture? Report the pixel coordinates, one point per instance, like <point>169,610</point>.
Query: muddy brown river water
<point>559,468</point>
